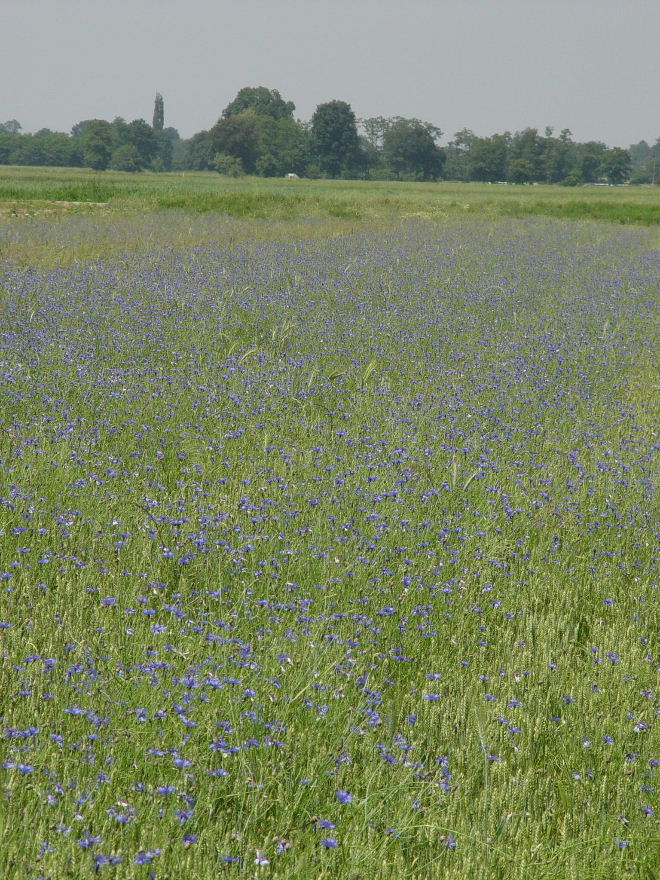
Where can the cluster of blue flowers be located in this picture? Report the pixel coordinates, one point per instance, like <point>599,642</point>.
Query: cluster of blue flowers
<point>292,528</point>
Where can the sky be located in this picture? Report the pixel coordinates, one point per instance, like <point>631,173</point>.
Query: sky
<point>592,66</point>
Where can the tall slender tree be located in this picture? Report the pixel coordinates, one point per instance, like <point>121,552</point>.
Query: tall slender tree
<point>159,113</point>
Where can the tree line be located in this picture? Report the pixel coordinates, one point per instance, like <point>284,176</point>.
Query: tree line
<point>257,133</point>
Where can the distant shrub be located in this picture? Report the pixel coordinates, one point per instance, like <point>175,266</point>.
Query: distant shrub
<point>228,165</point>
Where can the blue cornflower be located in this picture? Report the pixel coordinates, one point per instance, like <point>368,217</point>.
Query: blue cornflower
<point>100,859</point>
<point>329,842</point>
<point>344,797</point>
<point>146,856</point>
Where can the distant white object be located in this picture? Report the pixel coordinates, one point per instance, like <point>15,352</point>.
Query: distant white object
<point>291,176</point>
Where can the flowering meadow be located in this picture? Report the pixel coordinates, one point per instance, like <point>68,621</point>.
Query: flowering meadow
<point>333,557</point>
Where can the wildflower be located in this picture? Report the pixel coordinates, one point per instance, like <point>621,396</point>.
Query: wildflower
<point>146,856</point>
<point>344,797</point>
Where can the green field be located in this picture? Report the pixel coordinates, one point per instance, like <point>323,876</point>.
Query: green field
<point>329,529</point>
<point>122,208</point>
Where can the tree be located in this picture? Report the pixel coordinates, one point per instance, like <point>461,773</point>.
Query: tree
<point>616,165</point>
<point>125,158</point>
<point>457,163</point>
<point>198,152</point>
<point>140,135</point>
<point>559,157</point>
<point>283,146</point>
<point>166,144</point>
<point>489,158</point>
<point>159,113</point>
<point>228,166</point>
<point>410,148</point>
<point>238,136</point>
<point>589,158</point>
<point>262,101</point>
<point>12,126</point>
<point>369,156</point>
<point>97,142</point>
<point>526,154</point>
<point>375,128</point>
<point>334,137</point>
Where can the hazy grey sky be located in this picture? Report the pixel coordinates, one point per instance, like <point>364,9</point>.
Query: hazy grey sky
<point>490,65</point>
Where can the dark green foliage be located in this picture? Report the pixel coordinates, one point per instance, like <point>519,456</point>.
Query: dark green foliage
<point>141,136</point>
<point>258,129</point>
<point>457,164</point>
<point>43,148</point>
<point>238,136</point>
<point>589,158</point>
<point>616,165</point>
<point>230,166</point>
<point>97,143</point>
<point>410,149</point>
<point>197,152</point>
<point>126,158</point>
<point>262,101</point>
<point>489,158</point>
<point>166,144</point>
<point>284,145</point>
<point>159,113</point>
<point>335,138</point>
<point>645,162</point>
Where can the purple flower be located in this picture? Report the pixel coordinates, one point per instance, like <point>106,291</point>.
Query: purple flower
<point>100,860</point>
<point>329,842</point>
<point>344,797</point>
<point>146,856</point>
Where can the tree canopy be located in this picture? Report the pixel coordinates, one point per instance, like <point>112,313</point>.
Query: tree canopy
<point>335,138</point>
<point>257,133</point>
<point>409,147</point>
<point>262,101</point>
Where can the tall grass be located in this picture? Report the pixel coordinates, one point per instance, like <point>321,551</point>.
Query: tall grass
<point>331,556</point>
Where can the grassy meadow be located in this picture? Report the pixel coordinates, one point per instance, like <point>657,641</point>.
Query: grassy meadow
<point>329,529</point>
